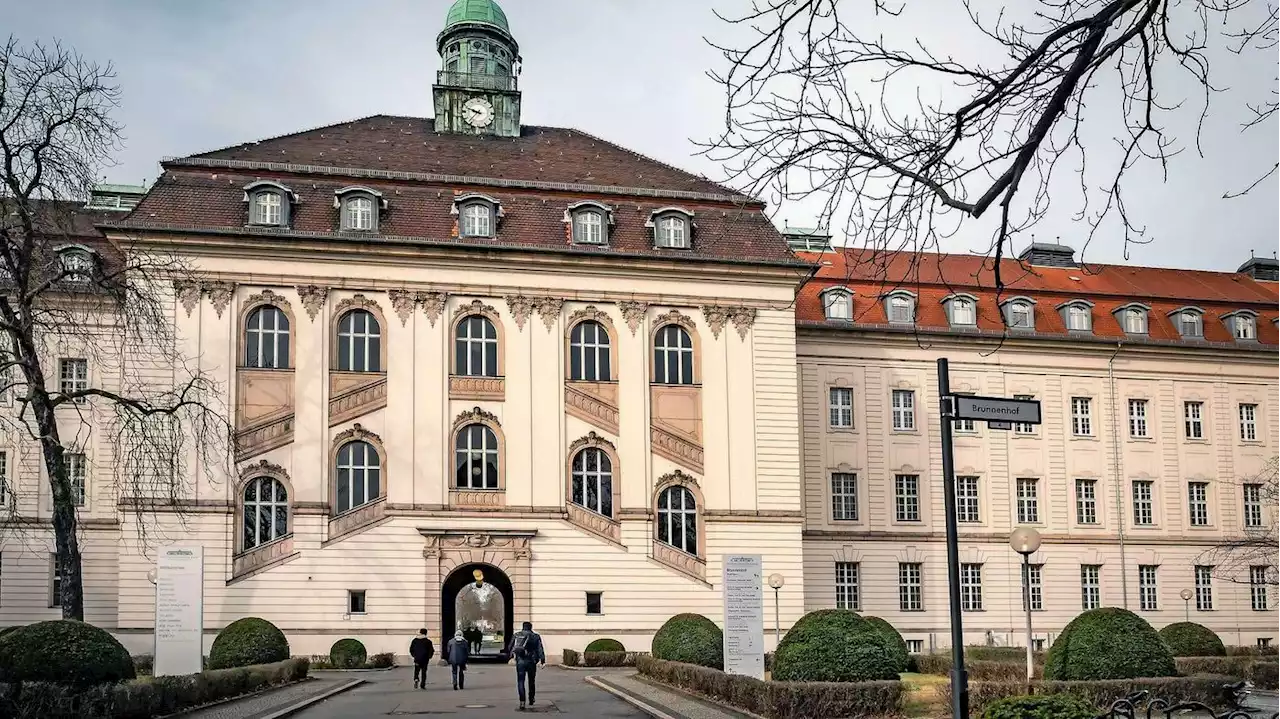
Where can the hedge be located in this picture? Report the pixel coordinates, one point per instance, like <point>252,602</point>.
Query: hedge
<point>835,645</point>
<point>246,642</point>
<point>1100,694</point>
<point>1052,706</point>
<point>999,654</point>
<point>64,651</point>
<point>1108,643</point>
<point>1237,651</point>
<point>1188,639</point>
<point>982,670</point>
<point>605,645</point>
<point>571,658</point>
<point>778,700</point>
<point>611,659</point>
<point>147,697</point>
<point>690,638</point>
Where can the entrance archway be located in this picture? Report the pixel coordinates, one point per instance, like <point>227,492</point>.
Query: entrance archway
<point>478,597</point>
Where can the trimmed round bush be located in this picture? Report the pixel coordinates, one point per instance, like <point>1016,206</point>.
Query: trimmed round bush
<point>1108,643</point>
<point>248,641</point>
<point>347,654</point>
<point>836,645</point>
<point>1046,706</point>
<point>894,637</point>
<point>6,630</point>
<point>692,639</point>
<point>1188,639</point>
<point>63,651</point>
<point>605,645</point>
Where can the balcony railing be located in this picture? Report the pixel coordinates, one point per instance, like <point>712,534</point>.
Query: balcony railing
<point>474,79</point>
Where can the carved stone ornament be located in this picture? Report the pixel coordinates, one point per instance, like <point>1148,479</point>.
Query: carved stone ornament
<point>313,298</point>
<point>591,440</point>
<point>743,319</point>
<point>475,414</point>
<point>633,313</point>
<point>219,294</point>
<point>474,307</point>
<point>188,293</point>
<point>267,297</point>
<point>521,307</point>
<point>356,301</point>
<point>716,318</point>
<point>402,302</point>
<point>479,541</point>
<point>590,312</point>
<point>676,477</point>
<point>675,317</point>
<point>433,304</point>
<point>262,467</point>
<point>356,432</point>
<point>549,310</point>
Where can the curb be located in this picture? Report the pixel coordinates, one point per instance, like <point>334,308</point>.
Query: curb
<point>633,701</point>
<point>354,671</point>
<point>304,703</point>
<point>236,698</point>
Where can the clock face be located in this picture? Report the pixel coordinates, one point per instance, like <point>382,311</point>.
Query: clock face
<point>477,112</point>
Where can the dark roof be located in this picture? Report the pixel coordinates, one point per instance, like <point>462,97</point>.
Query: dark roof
<point>411,144</point>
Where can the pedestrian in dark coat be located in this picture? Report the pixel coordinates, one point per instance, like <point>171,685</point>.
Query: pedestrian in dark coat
<point>527,648</point>
<point>421,649</point>
<point>456,653</point>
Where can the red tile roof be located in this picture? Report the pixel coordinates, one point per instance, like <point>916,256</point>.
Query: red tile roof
<point>933,276</point>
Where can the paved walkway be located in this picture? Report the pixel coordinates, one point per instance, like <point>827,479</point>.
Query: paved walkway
<point>490,693</point>
<point>662,702</point>
<point>269,703</point>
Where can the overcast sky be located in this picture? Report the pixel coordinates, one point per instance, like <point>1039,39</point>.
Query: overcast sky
<point>201,75</point>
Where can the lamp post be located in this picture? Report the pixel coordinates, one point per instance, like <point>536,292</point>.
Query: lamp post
<point>776,581</point>
<point>1186,595</point>
<point>1025,541</point>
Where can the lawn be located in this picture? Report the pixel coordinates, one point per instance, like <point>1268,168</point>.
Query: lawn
<point>922,698</point>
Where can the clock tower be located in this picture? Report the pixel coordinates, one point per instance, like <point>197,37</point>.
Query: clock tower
<point>475,90</point>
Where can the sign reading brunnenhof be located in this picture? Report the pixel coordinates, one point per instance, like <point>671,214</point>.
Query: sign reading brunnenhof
<point>179,610</point>
<point>743,615</point>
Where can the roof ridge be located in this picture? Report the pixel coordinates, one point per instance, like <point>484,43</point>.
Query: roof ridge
<point>1082,264</point>
<point>294,134</point>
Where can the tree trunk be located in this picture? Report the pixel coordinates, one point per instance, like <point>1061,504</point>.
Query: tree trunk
<point>67,544</point>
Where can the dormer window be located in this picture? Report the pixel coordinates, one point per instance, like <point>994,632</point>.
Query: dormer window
<point>900,307</point>
<point>1019,313</point>
<point>838,303</point>
<point>360,208</point>
<point>76,264</point>
<point>671,228</point>
<point>1190,321</point>
<point>269,203</point>
<point>1077,315</point>
<point>1243,325</point>
<point>1133,318</point>
<point>589,223</point>
<point>962,310</point>
<point>478,215</point>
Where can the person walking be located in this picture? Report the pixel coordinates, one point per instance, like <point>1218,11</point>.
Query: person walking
<point>455,653</point>
<point>526,646</point>
<point>421,649</point>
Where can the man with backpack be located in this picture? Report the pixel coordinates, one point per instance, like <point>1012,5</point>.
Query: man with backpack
<point>421,649</point>
<point>526,647</point>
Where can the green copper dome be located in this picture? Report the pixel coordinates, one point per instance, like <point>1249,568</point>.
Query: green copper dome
<point>486,11</point>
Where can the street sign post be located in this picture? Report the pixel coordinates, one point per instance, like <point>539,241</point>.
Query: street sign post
<point>998,413</point>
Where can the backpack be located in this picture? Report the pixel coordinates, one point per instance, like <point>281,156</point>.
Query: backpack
<point>520,645</point>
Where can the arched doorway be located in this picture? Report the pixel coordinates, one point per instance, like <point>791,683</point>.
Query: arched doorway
<point>479,598</point>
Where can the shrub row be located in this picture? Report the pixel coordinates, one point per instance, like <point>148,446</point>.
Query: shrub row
<point>611,659</point>
<point>981,670</point>
<point>384,660</point>
<point>778,700</point>
<point>1261,673</point>
<point>1100,693</point>
<point>571,658</point>
<point>1252,651</point>
<point>143,698</point>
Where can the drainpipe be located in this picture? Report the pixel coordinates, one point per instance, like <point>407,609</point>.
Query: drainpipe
<point>1116,469</point>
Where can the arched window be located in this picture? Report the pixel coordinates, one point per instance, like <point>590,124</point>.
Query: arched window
<point>678,519</point>
<point>477,220</point>
<point>476,458</point>
<point>266,208</point>
<point>963,312</point>
<point>357,213</point>
<point>266,338</point>
<point>476,347</point>
<point>838,303</point>
<point>673,231</point>
<point>672,356</point>
<point>359,342</point>
<point>266,511</point>
<point>593,481</point>
<point>900,309</point>
<point>359,475</point>
<point>1134,320</point>
<point>1020,316</point>
<point>588,227</point>
<point>77,264</point>
<point>589,357</point>
<point>1079,318</point>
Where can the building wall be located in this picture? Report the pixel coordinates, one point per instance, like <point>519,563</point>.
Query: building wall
<point>873,365</point>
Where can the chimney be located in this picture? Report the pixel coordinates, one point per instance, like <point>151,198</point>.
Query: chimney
<point>1262,268</point>
<point>1044,254</point>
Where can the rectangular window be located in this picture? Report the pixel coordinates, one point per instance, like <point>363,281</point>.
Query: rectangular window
<point>910,593</point>
<point>962,312</point>
<point>1258,587</point>
<point>1023,427</point>
<point>844,496</point>
<point>55,582</point>
<point>75,462</point>
<point>1081,416</point>
<point>1147,594</point>
<point>1264,642</point>
<point>1249,422</point>
<point>1253,505</point>
<point>840,403</point>
<point>1031,574</point>
<point>1028,501</point>
<point>1198,503</point>
<point>356,601</point>
<point>963,425</point>
<point>904,409</point>
<point>847,586</point>
<point>907,496</point>
<point>1204,588</point>
<point>971,587</point>
<point>1086,501</point>
<point>595,603</point>
<point>1090,586</point>
<point>1138,418</point>
<point>1192,413</point>
<point>73,376</point>
<point>967,502</point>
<point>1143,507</point>
<point>915,646</point>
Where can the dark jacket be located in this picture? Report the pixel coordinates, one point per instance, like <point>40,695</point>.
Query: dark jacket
<point>457,651</point>
<point>533,648</point>
<point>421,649</point>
